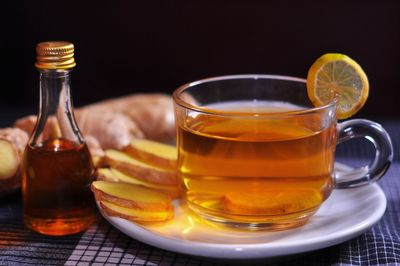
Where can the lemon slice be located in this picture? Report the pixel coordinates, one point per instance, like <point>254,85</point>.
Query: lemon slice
<point>338,76</point>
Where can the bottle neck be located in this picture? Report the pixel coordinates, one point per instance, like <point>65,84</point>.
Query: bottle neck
<point>55,119</point>
<point>55,94</point>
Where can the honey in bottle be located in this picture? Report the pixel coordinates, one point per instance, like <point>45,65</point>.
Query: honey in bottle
<point>57,170</point>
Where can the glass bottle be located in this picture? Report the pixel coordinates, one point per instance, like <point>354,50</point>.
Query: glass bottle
<point>57,169</point>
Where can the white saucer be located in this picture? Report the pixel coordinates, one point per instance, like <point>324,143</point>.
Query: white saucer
<point>346,214</point>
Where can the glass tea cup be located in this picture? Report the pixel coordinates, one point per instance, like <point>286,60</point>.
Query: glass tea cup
<point>254,153</point>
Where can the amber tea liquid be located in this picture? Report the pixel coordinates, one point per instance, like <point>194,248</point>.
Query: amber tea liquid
<point>56,187</point>
<point>251,170</point>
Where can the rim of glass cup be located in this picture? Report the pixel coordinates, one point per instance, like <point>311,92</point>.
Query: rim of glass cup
<point>179,101</point>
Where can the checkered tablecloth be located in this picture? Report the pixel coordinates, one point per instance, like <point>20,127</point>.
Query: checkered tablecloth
<point>102,244</point>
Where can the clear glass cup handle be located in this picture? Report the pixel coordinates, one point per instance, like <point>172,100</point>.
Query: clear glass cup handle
<point>375,133</point>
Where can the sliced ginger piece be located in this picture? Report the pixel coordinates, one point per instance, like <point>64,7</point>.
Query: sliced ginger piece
<point>131,196</point>
<point>130,166</point>
<point>135,215</point>
<point>154,153</point>
<point>9,160</point>
<point>272,202</point>
<point>107,175</point>
<point>113,175</point>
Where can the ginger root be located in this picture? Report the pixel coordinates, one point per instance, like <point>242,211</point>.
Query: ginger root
<point>12,145</point>
<point>17,137</point>
<point>115,123</point>
<point>111,130</point>
<point>110,124</point>
<point>9,160</point>
<point>152,113</point>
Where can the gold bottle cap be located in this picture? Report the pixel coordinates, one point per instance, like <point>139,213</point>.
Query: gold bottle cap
<point>55,55</point>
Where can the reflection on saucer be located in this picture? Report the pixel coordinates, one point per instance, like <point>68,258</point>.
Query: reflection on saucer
<point>345,215</point>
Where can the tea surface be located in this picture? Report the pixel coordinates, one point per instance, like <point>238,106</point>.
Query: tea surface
<point>247,168</point>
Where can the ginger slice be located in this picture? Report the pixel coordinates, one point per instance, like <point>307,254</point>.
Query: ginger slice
<point>271,202</point>
<point>106,174</point>
<point>9,160</point>
<point>113,175</point>
<point>131,196</point>
<point>128,165</point>
<point>154,153</point>
<point>135,215</point>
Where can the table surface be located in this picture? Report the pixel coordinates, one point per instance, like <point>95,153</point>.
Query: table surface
<point>103,244</point>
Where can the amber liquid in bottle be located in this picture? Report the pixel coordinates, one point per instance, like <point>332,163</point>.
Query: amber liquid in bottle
<point>57,197</point>
<point>57,170</point>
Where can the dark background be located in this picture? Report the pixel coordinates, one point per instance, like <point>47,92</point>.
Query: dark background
<point>125,47</point>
